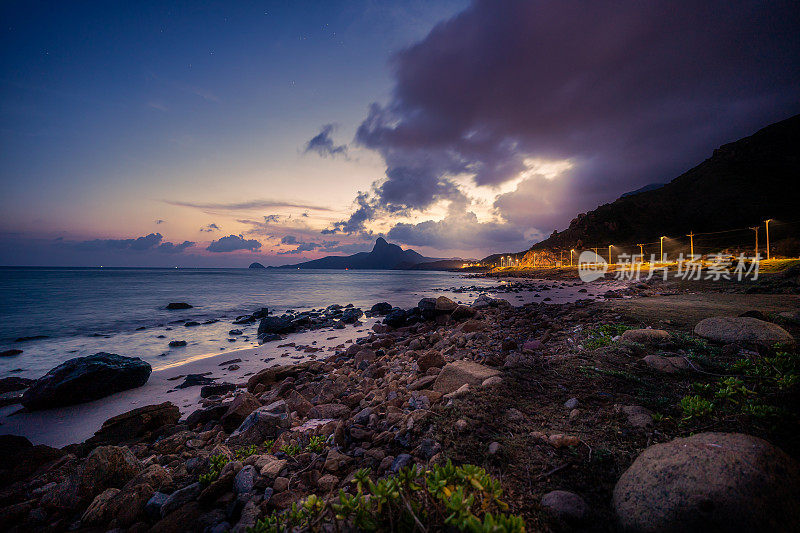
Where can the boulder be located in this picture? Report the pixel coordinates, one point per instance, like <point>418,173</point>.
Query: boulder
<point>84,379</point>
<point>136,423</point>
<point>462,312</point>
<point>329,411</point>
<point>216,389</point>
<point>102,508</point>
<point>566,506</point>
<point>445,305</point>
<point>430,359</point>
<point>645,336</point>
<point>710,482</point>
<point>351,314</point>
<point>264,423</point>
<point>172,306</point>
<point>240,408</point>
<point>668,365</point>
<point>275,325</point>
<point>381,308</point>
<point>396,318</point>
<point>458,373</point>
<point>180,497</point>
<point>745,331</point>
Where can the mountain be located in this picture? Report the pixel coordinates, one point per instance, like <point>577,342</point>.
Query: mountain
<point>742,184</point>
<point>256,265</point>
<point>384,256</point>
<point>650,187</point>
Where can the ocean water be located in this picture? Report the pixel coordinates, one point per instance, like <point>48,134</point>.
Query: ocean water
<point>82,311</point>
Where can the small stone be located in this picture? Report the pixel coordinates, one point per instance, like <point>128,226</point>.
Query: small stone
<point>281,484</point>
<point>572,403</point>
<point>328,482</point>
<point>566,506</point>
<point>494,448</point>
<point>245,480</point>
<point>400,462</point>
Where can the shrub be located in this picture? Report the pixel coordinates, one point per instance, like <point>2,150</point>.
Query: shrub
<point>216,465</point>
<point>445,497</point>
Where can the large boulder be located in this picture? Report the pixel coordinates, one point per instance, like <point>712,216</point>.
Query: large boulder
<point>351,314</point>
<point>458,373</point>
<point>84,379</point>
<point>137,423</point>
<point>240,408</point>
<point>396,318</point>
<point>264,423</point>
<point>710,482</point>
<point>743,330</point>
<point>275,325</point>
<point>381,308</point>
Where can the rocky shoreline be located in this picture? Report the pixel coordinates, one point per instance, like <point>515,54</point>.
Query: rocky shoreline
<point>578,411</point>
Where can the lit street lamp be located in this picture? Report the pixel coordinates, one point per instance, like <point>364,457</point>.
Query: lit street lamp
<point>662,249</point>
<point>570,256</point>
<point>755,229</point>
<point>691,244</point>
<point>609,253</point>
<point>641,251</point>
<point>767,223</point>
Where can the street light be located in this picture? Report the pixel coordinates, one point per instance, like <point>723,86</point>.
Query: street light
<point>641,251</point>
<point>755,229</point>
<point>662,249</point>
<point>609,253</point>
<point>767,223</point>
<point>596,255</point>
<point>691,244</point>
<point>570,256</point>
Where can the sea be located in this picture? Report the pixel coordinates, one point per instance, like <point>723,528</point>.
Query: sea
<point>72,312</point>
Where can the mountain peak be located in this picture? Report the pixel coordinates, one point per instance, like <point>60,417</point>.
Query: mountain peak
<point>381,244</point>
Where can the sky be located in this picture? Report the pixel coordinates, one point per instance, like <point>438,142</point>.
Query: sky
<point>221,133</point>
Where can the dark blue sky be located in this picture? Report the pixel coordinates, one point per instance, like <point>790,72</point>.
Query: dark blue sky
<point>468,128</point>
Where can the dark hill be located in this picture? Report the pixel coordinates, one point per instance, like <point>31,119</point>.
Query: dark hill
<point>384,256</point>
<point>740,185</point>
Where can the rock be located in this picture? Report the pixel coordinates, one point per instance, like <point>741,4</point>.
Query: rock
<point>275,325</point>
<point>13,384</point>
<point>137,423</point>
<point>329,410</point>
<point>637,415</point>
<point>177,344</point>
<point>645,336</point>
<point>195,380</point>
<point>271,467</point>
<point>179,498</point>
<point>430,359</point>
<point>566,506</point>
<point>532,345</point>
<point>492,381</point>
<point>364,356</point>
<point>105,467</point>
<point>10,353</point>
<point>462,312</point>
<point>240,408</point>
<point>153,506</point>
<point>563,441</point>
<point>234,332</point>
<point>154,475</point>
<point>668,365</point>
<point>178,305</point>
<point>84,379</point>
<point>572,403</point>
<point>745,331</point>
<point>297,403</point>
<point>494,448</point>
<point>245,480</point>
<point>444,305</point>
<point>184,518</point>
<point>216,389</point>
<point>131,503</point>
<point>710,482</point>
<point>203,415</point>
<point>400,462</point>
<point>381,309</point>
<point>264,423</point>
<point>336,460</point>
<point>102,508</point>
<point>350,315</point>
<point>328,482</point>
<point>458,373</point>
<point>396,318</point>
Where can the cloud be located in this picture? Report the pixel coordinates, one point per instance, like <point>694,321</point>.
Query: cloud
<point>458,232</point>
<point>150,242</point>
<point>231,243</point>
<point>629,93</point>
<point>246,206</point>
<point>324,246</point>
<point>323,144</point>
<point>159,221</point>
<point>210,228</point>
<point>289,239</point>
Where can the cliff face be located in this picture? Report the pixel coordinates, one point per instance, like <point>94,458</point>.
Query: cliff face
<point>741,184</point>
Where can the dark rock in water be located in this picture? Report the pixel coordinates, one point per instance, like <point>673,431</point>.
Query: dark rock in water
<point>396,318</point>
<point>195,380</point>
<point>84,379</point>
<point>275,324</point>
<point>192,323</point>
<point>10,398</point>
<point>261,313</point>
<point>177,344</point>
<point>216,388</point>
<point>33,338</point>
<point>427,308</point>
<point>14,384</point>
<point>256,265</point>
<point>136,423</point>
<point>381,308</point>
<point>178,305</point>
<point>10,353</point>
<point>351,315</point>
<point>235,332</point>
<point>270,337</point>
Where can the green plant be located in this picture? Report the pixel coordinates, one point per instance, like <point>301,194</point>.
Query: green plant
<point>316,444</point>
<point>291,449</point>
<point>246,452</point>
<point>603,335</point>
<point>445,497</point>
<point>216,464</point>
<point>695,406</point>
<point>268,444</point>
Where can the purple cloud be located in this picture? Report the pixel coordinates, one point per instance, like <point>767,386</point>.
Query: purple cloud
<point>323,144</point>
<point>232,243</point>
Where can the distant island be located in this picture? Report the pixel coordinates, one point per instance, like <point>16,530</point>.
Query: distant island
<point>256,266</point>
<point>384,256</point>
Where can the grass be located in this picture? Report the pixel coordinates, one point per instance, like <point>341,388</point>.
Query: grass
<point>603,335</point>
